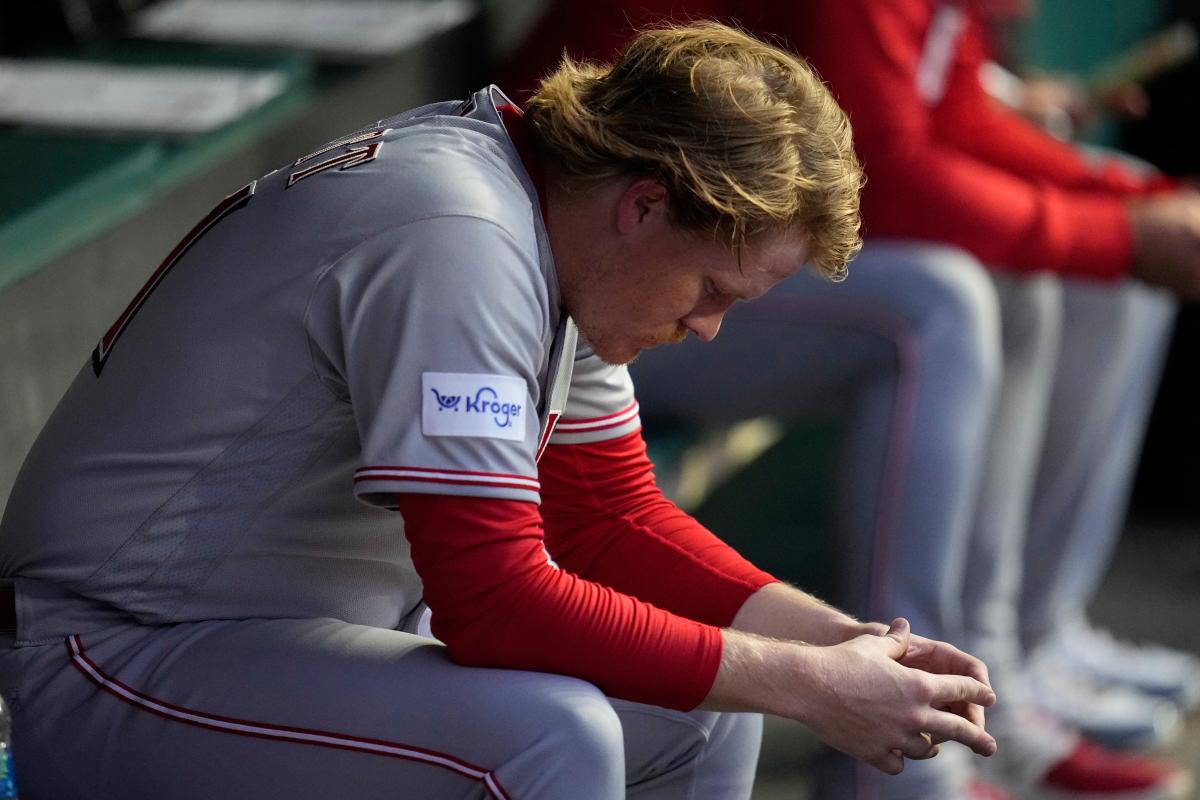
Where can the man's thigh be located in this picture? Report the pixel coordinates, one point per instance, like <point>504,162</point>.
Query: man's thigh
<point>695,755</point>
<point>298,709</point>
<point>811,346</point>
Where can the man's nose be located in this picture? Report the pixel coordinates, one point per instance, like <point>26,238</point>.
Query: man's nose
<point>704,325</point>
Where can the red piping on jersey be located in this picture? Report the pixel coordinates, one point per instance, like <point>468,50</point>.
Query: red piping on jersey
<point>631,407</point>
<point>518,132</point>
<point>447,481</point>
<point>263,730</point>
<point>600,423</point>
<point>447,476</point>
<point>447,471</point>
<point>551,424</point>
<point>590,428</point>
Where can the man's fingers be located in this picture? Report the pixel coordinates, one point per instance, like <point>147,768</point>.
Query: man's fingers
<point>946,659</point>
<point>892,763</point>
<point>919,747</point>
<point>961,689</point>
<point>945,726</point>
<point>897,637</point>
<point>972,712</point>
<point>966,664</point>
<point>974,715</point>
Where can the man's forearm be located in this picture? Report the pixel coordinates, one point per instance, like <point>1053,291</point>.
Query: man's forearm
<point>760,674</point>
<point>784,612</point>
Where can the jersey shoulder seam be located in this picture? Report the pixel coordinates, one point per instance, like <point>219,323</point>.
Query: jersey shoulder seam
<point>335,263</point>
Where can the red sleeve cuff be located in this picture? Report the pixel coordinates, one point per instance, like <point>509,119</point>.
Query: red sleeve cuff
<point>1090,235</point>
<point>607,521</point>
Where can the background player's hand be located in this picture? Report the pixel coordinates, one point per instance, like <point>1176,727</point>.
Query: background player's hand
<point>1166,241</point>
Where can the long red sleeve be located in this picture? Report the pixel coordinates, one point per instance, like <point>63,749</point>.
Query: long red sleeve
<point>923,182</point>
<point>607,521</point>
<point>498,602</point>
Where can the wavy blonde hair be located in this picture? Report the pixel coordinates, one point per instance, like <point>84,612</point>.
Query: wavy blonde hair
<point>744,136</point>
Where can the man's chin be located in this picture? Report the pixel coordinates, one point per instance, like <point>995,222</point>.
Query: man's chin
<point>617,357</point>
<point>619,353</point>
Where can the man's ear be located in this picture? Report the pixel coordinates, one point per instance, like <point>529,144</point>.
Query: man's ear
<point>643,201</point>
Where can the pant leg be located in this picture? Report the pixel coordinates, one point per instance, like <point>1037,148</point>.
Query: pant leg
<point>907,349</point>
<point>1031,310</point>
<point>1115,339</point>
<point>299,709</point>
<point>699,755</point>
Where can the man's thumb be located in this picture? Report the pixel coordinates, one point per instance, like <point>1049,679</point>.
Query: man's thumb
<point>898,633</point>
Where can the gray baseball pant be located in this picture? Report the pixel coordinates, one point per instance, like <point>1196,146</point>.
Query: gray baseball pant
<point>318,708</point>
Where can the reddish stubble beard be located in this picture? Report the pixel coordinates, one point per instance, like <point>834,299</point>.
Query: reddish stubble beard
<point>607,352</point>
<point>675,335</point>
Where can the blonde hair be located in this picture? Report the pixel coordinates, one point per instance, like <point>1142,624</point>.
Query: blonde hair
<point>744,136</point>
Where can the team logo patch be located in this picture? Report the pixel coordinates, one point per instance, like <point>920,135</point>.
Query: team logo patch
<point>465,404</point>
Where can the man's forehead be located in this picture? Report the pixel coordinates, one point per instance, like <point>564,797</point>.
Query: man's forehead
<point>761,267</point>
<point>781,252</point>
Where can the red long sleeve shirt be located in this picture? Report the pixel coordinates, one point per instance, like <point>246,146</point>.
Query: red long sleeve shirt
<point>943,160</point>
<point>634,596</point>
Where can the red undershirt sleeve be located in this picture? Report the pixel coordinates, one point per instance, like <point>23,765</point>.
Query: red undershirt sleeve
<point>607,521</point>
<point>498,602</point>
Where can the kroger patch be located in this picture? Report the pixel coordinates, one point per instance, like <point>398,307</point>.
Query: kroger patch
<point>466,404</point>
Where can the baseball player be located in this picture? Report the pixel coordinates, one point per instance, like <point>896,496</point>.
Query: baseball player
<point>214,595</point>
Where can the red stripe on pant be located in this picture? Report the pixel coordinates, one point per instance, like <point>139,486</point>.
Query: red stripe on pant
<point>262,730</point>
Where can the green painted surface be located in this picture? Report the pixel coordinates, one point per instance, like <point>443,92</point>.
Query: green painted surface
<point>62,190</point>
<point>1077,34</point>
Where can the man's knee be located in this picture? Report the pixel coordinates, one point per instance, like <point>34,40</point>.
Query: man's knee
<point>949,301</point>
<point>1032,312</point>
<point>574,728</point>
<point>932,283</point>
<point>1127,313</point>
<point>586,724</point>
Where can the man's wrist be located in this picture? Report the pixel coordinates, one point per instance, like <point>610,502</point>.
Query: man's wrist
<point>784,612</point>
<point>761,674</point>
<point>851,628</point>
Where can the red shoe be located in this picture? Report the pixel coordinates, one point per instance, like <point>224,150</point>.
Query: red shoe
<point>1089,771</point>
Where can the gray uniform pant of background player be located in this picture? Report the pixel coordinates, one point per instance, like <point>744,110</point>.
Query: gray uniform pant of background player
<point>294,709</point>
<point>993,426</point>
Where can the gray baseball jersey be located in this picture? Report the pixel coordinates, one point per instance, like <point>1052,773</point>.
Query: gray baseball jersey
<point>380,316</point>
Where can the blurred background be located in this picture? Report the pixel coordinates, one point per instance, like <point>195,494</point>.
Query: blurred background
<point>123,121</point>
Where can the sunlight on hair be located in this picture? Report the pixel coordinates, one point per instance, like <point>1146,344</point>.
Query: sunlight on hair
<point>744,135</point>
